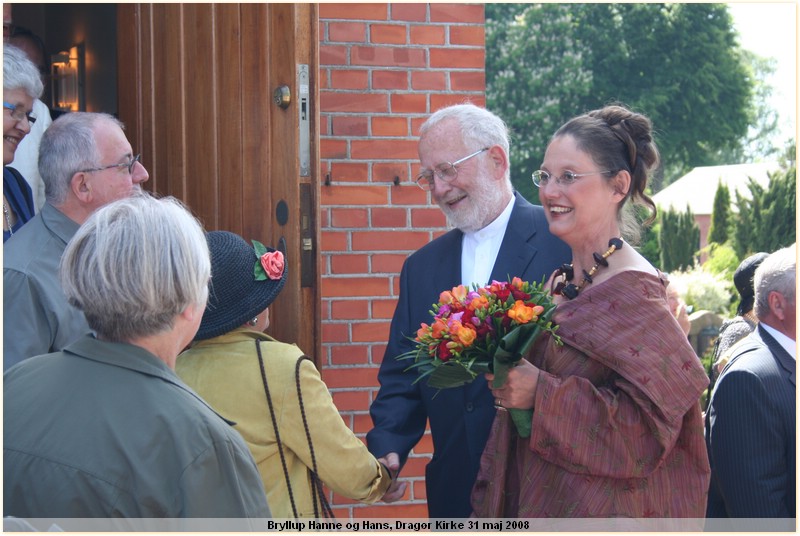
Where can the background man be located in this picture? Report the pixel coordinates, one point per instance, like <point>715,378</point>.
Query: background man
<point>463,150</point>
<point>751,419</point>
<point>86,162</point>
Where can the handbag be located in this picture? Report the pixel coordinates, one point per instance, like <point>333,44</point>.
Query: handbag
<point>321,505</point>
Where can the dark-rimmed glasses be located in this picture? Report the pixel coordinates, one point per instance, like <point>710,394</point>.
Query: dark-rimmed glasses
<point>542,178</point>
<point>446,171</point>
<point>18,114</point>
<point>128,165</point>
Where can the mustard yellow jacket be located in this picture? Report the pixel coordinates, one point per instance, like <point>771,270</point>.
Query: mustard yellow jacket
<point>225,372</point>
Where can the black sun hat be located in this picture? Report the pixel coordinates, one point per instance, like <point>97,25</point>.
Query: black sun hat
<point>241,287</point>
<point>743,279</point>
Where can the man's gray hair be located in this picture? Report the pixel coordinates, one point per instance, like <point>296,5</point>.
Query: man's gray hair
<point>135,265</point>
<point>479,127</point>
<point>68,146</point>
<point>775,273</point>
<point>20,73</point>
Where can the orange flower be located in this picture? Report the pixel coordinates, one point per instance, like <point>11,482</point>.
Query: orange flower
<point>479,302</point>
<point>462,334</point>
<point>422,332</point>
<point>438,328</point>
<point>521,313</point>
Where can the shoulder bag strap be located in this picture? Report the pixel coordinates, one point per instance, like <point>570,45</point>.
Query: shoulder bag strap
<point>275,427</point>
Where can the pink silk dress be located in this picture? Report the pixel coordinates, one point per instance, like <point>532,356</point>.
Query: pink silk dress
<point>617,425</point>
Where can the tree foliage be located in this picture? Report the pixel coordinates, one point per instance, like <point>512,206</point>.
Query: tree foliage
<point>677,63</point>
<point>678,240</point>
<point>720,215</point>
<point>767,221</point>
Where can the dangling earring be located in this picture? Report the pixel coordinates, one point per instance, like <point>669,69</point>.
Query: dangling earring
<point>254,321</point>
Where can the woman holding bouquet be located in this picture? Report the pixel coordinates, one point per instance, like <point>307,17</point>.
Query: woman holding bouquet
<point>617,429</point>
<point>271,390</point>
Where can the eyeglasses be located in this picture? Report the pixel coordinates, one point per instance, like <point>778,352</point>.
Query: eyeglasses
<point>18,114</point>
<point>128,165</point>
<point>446,171</point>
<point>542,178</point>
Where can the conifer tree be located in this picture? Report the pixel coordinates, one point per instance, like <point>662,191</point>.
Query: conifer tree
<point>720,215</point>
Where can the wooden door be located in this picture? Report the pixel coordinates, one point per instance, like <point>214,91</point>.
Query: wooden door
<point>196,84</point>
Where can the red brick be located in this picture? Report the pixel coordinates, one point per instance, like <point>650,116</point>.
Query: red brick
<point>457,13</point>
<point>467,35</point>
<point>332,55</point>
<point>388,241</point>
<point>352,32</point>
<point>393,511</point>
<point>335,333</point>
<point>369,332</point>
<point>348,171</point>
<point>387,263</point>
<point>330,241</point>
<point>427,217</point>
<point>353,195</point>
<point>350,377</point>
<point>349,354</point>
<point>386,172</point>
<point>427,35</point>
<point>351,400</point>
<point>324,82</point>
<point>349,264</point>
<point>389,217</point>
<point>329,148</point>
<point>383,149</point>
<point>430,80</point>
<point>390,126</point>
<point>362,423</point>
<point>416,122</point>
<point>350,126</point>
<point>378,350</point>
<point>331,101</point>
<point>354,11</point>
<point>383,308</point>
<point>349,79</point>
<point>468,80</point>
<point>388,34</point>
<point>385,56</point>
<point>440,100</point>
<point>389,79</point>
<point>457,58</point>
<point>419,491</point>
<point>409,12</point>
<point>349,217</point>
<point>345,287</point>
<point>425,445</point>
<point>409,103</point>
<point>409,194</point>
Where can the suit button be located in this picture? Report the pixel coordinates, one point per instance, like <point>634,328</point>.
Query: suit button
<point>469,407</point>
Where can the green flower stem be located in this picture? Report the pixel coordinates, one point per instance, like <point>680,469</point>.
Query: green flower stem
<point>522,417</point>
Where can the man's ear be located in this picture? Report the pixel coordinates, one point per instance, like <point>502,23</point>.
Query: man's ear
<point>777,304</point>
<point>81,187</point>
<point>499,160</point>
<point>621,185</point>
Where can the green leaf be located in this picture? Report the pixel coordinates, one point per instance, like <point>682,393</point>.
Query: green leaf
<point>258,271</point>
<point>259,247</point>
<point>450,374</point>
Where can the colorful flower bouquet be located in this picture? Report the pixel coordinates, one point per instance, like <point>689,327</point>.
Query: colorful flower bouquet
<point>487,329</point>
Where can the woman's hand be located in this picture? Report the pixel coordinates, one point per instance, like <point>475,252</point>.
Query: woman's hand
<point>519,391</point>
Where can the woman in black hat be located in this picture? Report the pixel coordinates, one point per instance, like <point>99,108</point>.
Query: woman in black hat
<point>271,390</point>
<point>733,330</point>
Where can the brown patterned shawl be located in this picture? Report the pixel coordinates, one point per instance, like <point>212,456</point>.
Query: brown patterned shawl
<point>617,426</point>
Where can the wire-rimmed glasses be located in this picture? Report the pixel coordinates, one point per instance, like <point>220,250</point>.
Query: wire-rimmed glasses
<point>446,171</point>
<point>128,165</point>
<point>542,178</point>
<point>18,114</point>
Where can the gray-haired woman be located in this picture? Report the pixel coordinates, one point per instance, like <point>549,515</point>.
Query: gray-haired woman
<point>105,428</point>
<point>21,86</point>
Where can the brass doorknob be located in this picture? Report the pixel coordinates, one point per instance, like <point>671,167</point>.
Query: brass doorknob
<point>282,97</point>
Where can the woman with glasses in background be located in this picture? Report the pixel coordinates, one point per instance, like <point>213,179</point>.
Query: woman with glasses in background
<point>21,86</point>
<point>617,429</point>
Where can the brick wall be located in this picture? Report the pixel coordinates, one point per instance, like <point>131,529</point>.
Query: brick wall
<point>383,69</point>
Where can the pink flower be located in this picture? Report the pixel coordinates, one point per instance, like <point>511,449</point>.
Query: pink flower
<point>273,264</point>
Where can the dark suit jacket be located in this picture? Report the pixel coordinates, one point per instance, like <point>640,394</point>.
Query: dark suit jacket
<point>750,432</point>
<point>460,418</point>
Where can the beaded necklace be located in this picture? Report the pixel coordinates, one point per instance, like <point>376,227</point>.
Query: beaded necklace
<point>570,290</point>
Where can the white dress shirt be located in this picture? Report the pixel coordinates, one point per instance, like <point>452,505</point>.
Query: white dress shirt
<point>26,157</point>
<point>479,249</point>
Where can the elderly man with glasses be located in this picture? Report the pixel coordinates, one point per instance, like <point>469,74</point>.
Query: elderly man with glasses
<point>86,162</point>
<point>463,152</point>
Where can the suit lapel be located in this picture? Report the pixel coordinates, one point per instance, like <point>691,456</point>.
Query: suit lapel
<point>781,355</point>
<point>516,253</point>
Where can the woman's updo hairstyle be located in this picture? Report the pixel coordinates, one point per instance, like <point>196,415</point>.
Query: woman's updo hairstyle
<point>619,139</point>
